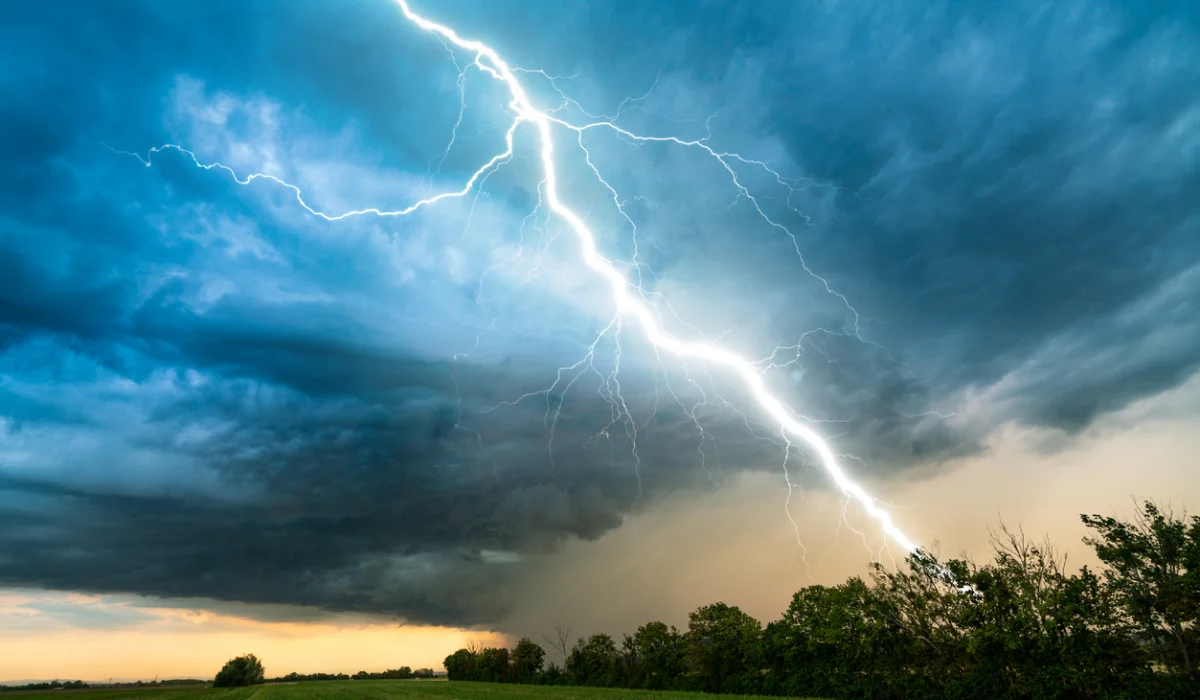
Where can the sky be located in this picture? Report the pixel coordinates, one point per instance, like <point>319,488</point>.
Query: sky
<point>961,240</point>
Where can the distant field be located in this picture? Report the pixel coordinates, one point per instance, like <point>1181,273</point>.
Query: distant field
<point>364,690</point>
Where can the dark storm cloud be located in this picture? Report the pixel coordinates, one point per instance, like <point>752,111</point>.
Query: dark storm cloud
<point>1029,175</point>
<point>204,393</point>
<point>336,504</point>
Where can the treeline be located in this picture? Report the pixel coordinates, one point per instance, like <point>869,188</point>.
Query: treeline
<point>402,673</point>
<point>46,685</point>
<point>1018,626</point>
<point>80,685</point>
<point>247,669</point>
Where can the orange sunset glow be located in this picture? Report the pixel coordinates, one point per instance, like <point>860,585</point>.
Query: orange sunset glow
<point>189,643</point>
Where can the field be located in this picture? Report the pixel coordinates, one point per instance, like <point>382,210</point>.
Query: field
<point>363,690</point>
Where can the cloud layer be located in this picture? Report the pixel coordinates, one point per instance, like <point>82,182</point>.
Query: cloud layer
<point>205,392</point>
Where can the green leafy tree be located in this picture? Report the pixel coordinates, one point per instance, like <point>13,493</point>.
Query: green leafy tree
<point>926,602</point>
<point>243,670</point>
<point>593,661</point>
<point>527,660</point>
<point>460,666</point>
<point>722,646</point>
<point>1018,626</point>
<point>834,641</point>
<point>553,675</point>
<point>1154,567</point>
<point>493,665</point>
<point>1036,631</point>
<point>657,657</point>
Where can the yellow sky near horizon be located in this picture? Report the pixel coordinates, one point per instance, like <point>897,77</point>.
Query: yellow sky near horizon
<point>194,643</point>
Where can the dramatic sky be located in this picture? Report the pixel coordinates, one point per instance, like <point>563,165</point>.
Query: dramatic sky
<point>962,237</point>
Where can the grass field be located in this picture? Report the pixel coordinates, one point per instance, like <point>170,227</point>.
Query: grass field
<point>363,690</point>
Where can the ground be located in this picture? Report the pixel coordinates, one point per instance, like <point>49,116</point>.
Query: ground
<point>362,690</point>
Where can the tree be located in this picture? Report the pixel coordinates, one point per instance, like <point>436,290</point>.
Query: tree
<point>492,665</point>
<point>553,675</point>
<point>1154,567</point>
<point>834,641</point>
<point>657,657</point>
<point>926,603</point>
<point>1018,626</point>
<point>243,670</point>
<point>594,661</point>
<point>527,660</point>
<point>1036,631</point>
<point>722,644</point>
<point>460,666</point>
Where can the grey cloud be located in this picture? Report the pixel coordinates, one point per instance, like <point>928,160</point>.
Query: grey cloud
<point>1022,179</point>
<point>1081,375</point>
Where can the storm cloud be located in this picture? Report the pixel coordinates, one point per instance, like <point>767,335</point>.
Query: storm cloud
<point>206,392</point>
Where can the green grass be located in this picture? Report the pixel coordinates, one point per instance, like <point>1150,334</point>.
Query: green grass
<point>364,690</point>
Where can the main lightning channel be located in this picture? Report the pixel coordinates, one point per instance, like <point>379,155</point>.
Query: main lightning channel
<point>626,302</point>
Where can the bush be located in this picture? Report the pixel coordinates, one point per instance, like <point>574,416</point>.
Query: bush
<point>244,670</point>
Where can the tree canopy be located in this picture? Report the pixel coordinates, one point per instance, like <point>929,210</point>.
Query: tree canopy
<point>243,670</point>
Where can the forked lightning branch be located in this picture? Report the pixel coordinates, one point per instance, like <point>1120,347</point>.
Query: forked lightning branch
<point>631,300</point>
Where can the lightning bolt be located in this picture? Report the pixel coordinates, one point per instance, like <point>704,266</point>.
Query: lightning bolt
<point>489,61</point>
<point>628,295</point>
